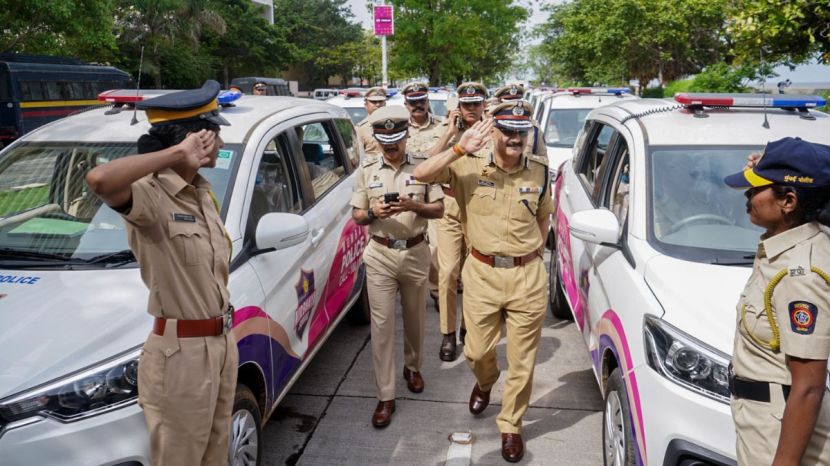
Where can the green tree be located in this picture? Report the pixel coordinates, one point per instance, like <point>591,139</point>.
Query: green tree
<point>79,28</point>
<point>448,40</point>
<point>791,31</point>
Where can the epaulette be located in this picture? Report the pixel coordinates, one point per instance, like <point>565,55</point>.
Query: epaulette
<point>539,159</point>
<point>370,159</point>
<point>362,122</point>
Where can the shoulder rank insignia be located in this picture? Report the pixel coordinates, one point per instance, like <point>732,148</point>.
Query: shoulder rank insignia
<point>530,189</point>
<point>803,317</point>
<point>539,159</point>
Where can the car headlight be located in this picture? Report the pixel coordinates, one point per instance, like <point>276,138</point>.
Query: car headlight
<point>90,391</point>
<point>686,361</point>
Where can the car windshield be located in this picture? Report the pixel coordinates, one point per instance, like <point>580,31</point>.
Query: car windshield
<point>357,114</point>
<point>563,126</point>
<point>50,217</point>
<point>694,215</point>
<point>438,107</point>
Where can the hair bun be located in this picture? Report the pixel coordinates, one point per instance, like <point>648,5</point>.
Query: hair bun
<point>149,143</point>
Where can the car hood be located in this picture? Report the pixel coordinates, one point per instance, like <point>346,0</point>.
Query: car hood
<point>65,321</point>
<point>697,298</point>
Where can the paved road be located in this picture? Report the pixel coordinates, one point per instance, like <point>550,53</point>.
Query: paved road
<point>326,418</point>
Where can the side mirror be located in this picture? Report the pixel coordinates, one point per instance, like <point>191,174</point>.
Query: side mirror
<point>280,231</point>
<point>598,226</point>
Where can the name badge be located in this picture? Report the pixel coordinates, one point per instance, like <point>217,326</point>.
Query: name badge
<point>414,182</point>
<point>184,218</point>
<point>530,189</point>
<point>375,185</point>
<point>489,184</point>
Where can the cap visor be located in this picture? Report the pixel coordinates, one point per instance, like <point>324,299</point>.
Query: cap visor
<point>522,126</point>
<point>218,120</point>
<point>416,97</point>
<point>746,179</point>
<point>390,138</point>
<point>477,98</point>
<point>376,98</point>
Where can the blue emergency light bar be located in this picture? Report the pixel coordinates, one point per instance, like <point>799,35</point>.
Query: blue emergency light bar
<point>749,100</point>
<point>228,97</point>
<point>598,90</point>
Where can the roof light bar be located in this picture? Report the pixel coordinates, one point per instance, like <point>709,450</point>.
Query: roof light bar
<point>598,90</point>
<point>227,98</point>
<point>750,100</point>
<point>120,96</point>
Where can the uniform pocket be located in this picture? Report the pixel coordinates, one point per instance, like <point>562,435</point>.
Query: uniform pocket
<point>151,365</point>
<point>416,191</point>
<point>483,200</point>
<point>187,239</point>
<point>528,206</point>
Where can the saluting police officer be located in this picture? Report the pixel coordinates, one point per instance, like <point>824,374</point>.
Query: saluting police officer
<point>187,371</point>
<point>452,247</point>
<point>505,205</point>
<point>396,207</point>
<point>536,141</point>
<point>782,341</point>
<point>374,99</point>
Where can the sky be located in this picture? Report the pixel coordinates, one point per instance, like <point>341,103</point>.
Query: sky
<point>812,73</point>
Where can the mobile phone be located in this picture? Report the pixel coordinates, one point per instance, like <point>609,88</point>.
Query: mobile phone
<point>459,123</point>
<point>390,197</point>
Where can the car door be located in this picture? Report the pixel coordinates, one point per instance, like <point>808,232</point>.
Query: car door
<point>337,243</point>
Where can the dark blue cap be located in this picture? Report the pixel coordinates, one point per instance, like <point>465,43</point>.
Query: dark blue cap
<point>182,106</point>
<point>787,162</point>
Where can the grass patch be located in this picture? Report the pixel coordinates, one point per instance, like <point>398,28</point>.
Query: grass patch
<point>24,199</point>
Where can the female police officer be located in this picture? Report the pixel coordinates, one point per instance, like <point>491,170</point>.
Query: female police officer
<point>782,342</point>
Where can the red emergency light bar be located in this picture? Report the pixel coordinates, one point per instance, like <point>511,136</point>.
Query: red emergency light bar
<point>749,100</point>
<point>120,96</point>
<point>604,90</point>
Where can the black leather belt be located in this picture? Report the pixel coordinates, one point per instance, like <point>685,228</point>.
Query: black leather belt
<point>754,390</point>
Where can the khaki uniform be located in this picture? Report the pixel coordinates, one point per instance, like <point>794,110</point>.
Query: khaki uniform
<point>501,210</point>
<point>186,385</point>
<point>367,139</point>
<point>389,270</point>
<point>801,307</point>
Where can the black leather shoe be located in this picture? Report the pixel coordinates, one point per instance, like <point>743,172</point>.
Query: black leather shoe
<point>462,334</point>
<point>479,400</point>
<point>448,348</point>
<point>414,381</point>
<point>512,447</point>
<point>383,413</point>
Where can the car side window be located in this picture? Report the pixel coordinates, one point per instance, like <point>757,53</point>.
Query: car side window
<point>347,133</point>
<point>321,156</point>
<point>274,190</point>
<point>619,193</point>
<point>594,154</point>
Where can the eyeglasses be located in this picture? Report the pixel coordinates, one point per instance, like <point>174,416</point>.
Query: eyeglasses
<point>260,88</point>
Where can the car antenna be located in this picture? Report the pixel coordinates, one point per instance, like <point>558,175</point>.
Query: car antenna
<point>764,87</point>
<point>138,86</point>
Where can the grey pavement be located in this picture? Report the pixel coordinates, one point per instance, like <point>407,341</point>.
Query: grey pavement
<point>326,417</point>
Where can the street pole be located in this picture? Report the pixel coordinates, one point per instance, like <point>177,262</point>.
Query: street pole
<point>383,56</point>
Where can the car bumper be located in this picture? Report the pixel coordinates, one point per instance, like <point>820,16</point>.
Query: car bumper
<point>118,437</point>
<point>682,425</point>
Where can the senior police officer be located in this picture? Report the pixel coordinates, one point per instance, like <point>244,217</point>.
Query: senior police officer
<point>536,141</point>
<point>187,371</point>
<point>396,207</point>
<point>505,205</point>
<point>782,341</point>
<point>452,247</point>
<point>374,99</point>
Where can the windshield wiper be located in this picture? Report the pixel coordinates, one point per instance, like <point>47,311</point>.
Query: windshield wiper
<point>9,253</point>
<point>112,259</point>
<point>745,260</point>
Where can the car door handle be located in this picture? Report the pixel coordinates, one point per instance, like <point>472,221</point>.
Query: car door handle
<point>567,190</point>
<point>317,235</point>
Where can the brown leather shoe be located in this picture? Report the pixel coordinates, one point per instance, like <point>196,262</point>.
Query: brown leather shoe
<point>479,399</point>
<point>414,381</point>
<point>383,413</point>
<point>512,447</point>
<point>448,348</point>
<point>462,334</point>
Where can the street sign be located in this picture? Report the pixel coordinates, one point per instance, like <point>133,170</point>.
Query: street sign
<point>384,22</point>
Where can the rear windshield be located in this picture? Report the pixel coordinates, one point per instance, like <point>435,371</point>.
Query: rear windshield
<point>563,126</point>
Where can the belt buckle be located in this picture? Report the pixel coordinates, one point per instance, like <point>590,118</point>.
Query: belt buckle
<point>503,262</point>
<point>227,320</point>
<point>399,244</point>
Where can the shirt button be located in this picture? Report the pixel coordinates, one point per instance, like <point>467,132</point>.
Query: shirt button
<point>168,351</point>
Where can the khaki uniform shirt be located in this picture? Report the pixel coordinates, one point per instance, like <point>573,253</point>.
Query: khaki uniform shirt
<point>800,301</point>
<point>375,178</point>
<point>501,208</point>
<point>367,139</point>
<point>422,138</point>
<point>181,245</point>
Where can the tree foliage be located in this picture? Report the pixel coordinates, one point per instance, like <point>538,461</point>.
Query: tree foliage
<point>448,40</point>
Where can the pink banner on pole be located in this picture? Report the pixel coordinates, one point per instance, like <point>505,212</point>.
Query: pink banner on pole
<point>384,21</point>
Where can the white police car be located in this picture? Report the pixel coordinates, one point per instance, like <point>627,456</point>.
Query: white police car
<point>74,305</point>
<point>353,104</point>
<point>561,115</point>
<point>652,253</point>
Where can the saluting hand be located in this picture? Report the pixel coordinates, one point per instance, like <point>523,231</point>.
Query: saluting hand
<point>474,138</point>
<point>752,159</point>
<point>197,148</point>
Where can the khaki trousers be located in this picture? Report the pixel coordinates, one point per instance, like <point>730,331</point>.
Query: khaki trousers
<point>518,298</point>
<point>452,249</point>
<point>758,427</point>
<point>186,388</point>
<point>387,271</point>
<point>432,234</point>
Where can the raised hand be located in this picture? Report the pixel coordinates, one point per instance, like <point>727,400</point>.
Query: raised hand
<point>752,159</point>
<point>474,138</point>
<point>197,148</point>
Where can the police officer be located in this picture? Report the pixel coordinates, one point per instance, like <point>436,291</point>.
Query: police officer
<point>374,99</point>
<point>505,205</point>
<point>260,88</point>
<point>782,340</point>
<point>424,132</point>
<point>536,143</point>
<point>452,247</point>
<point>396,207</point>
<point>175,231</point>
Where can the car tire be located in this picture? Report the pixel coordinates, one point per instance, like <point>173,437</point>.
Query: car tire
<point>617,438</point>
<point>246,430</point>
<point>558,304</point>
<point>361,313</point>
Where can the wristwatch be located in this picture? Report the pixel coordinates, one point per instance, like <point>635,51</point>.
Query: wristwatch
<point>371,214</point>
